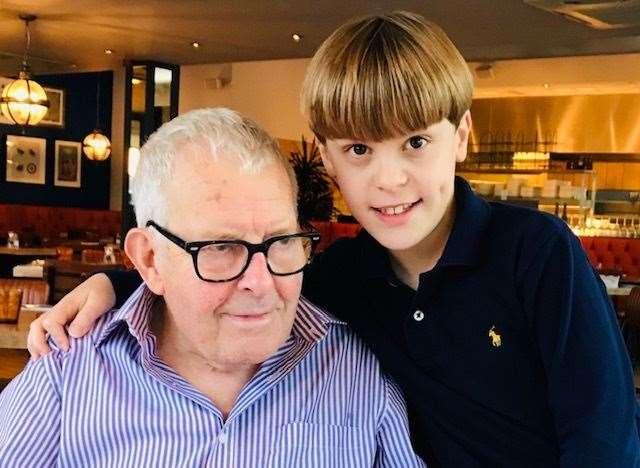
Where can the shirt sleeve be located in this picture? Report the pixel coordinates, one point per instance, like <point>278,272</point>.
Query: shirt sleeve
<point>30,415</point>
<point>124,284</point>
<point>589,377</point>
<point>394,442</point>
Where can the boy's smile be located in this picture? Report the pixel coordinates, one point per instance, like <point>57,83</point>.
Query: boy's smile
<point>395,215</point>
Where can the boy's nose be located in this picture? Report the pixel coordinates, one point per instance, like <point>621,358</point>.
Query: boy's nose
<point>390,175</point>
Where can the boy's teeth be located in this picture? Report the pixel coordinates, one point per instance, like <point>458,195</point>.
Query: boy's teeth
<point>395,210</point>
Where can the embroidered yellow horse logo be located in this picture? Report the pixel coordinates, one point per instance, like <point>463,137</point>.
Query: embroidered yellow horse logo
<point>496,340</point>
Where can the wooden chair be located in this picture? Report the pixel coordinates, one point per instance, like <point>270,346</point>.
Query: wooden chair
<point>92,256</point>
<point>10,303</point>
<point>65,253</point>
<point>34,291</point>
<point>64,276</point>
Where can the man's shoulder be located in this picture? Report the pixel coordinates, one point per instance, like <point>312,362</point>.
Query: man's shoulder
<point>338,339</point>
<point>89,340</point>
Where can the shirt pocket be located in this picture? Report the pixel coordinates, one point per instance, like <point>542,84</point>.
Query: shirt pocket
<point>319,445</point>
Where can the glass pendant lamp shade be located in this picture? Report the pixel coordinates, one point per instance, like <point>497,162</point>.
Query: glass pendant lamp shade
<point>23,101</point>
<point>96,146</point>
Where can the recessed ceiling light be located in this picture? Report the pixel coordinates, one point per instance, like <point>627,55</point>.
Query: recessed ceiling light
<point>136,81</point>
<point>195,44</point>
<point>108,51</point>
<point>296,37</point>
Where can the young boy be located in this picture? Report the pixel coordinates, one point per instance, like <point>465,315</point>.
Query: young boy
<point>488,316</point>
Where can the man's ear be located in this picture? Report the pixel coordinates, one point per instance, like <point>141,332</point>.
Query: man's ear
<point>326,160</point>
<point>140,249</point>
<point>462,136</point>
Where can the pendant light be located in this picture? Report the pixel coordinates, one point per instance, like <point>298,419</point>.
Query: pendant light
<point>96,145</point>
<point>24,101</point>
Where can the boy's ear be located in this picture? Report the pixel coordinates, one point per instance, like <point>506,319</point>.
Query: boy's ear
<point>139,247</point>
<point>462,136</point>
<point>326,160</point>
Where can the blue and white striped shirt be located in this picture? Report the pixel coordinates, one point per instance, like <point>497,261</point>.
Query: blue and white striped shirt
<point>320,401</point>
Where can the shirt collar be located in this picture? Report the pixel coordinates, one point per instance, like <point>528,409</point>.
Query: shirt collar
<point>463,248</point>
<point>310,324</point>
<point>135,313</point>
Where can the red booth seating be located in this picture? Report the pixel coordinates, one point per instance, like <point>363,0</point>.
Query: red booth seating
<point>51,221</point>
<point>614,254</point>
<point>332,231</point>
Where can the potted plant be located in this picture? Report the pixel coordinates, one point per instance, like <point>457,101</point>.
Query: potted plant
<point>315,187</point>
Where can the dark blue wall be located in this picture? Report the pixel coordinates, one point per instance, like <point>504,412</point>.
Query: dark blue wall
<point>80,119</point>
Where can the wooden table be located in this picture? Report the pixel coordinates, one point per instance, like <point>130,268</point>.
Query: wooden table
<point>11,256</point>
<point>29,251</point>
<point>622,291</point>
<point>13,345</point>
<point>14,335</point>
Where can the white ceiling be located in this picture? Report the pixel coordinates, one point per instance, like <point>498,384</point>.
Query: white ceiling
<point>72,34</point>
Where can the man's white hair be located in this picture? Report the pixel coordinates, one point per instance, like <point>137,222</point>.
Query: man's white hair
<point>215,131</point>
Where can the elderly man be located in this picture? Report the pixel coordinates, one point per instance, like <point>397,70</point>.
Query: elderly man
<point>214,361</point>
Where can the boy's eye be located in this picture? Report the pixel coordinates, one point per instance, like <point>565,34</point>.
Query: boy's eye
<point>359,149</point>
<point>417,142</point>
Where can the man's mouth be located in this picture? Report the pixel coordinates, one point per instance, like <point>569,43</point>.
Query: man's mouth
<point>253,317</point>
<point>396,210</point>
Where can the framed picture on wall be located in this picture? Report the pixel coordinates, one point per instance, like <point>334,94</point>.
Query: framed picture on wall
<point>26,159</point>
<point>55,115</point>
<point>68,164</point>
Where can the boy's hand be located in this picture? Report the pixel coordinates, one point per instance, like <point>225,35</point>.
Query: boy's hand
<point>88,301</point>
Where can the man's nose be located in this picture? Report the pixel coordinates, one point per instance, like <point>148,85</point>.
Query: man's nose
<point>257,277</point>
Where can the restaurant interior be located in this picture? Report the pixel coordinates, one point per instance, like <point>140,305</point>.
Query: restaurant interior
<point>83,83</point>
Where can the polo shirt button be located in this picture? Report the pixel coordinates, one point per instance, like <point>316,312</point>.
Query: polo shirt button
<point>222,438</point>
<point>418,315</point>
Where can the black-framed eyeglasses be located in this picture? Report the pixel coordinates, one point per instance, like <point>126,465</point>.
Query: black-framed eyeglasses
<point>218,261</point>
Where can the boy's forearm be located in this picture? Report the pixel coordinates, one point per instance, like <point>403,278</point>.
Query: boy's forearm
<point>124,284</point>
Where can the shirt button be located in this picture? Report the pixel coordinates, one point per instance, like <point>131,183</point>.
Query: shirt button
<point>418,315</point>
<point>222,438</point>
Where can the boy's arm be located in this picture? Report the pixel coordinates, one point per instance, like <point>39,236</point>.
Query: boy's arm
<point>80,308</point>
<point>393,440</point>
<point>124,284</point>
<point>30,414</point>
<point>589,376</point>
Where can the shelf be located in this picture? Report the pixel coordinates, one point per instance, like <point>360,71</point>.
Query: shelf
<point>571,202</point>
<point>485,170</point>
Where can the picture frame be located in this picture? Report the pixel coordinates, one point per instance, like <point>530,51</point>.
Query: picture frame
<point>54,116</point>
<point>26,159</point>
<point>68,164</point>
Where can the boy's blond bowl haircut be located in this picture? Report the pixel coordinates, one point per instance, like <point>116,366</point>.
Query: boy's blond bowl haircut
<point>385,75</point>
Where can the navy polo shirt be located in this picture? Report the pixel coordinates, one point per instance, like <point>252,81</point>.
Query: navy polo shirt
<point>509,352</point>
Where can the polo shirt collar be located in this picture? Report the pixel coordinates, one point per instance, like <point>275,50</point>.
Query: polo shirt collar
<point>465,244</point>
